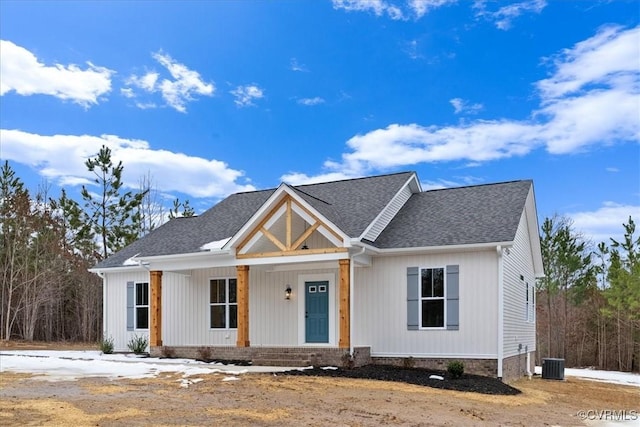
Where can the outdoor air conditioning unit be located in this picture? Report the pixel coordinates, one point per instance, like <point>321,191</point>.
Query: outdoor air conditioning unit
<point>553,369</point>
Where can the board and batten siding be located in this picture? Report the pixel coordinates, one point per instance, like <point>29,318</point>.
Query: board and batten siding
<point>380,308</point>
<point>388,213</point>
<point>519,333</point>
<point>274,321</point>
<point>115,308</point>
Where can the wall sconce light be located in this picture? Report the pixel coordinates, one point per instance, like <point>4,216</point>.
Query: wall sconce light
<point>287,292</point>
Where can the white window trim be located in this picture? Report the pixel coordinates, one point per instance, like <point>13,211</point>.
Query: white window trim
<point>530,303</point>
<point>443,298</point>
<point>226,304</point>
<point>136,306</point>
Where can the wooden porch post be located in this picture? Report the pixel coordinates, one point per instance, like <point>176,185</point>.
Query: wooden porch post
<point>243,305</point>
<point>155,334</point>
<point>345,300</point>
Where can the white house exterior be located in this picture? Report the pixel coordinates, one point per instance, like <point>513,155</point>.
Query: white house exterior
<point>378,270</point>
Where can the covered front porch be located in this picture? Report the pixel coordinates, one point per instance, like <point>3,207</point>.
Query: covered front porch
<point>283,281</point>
<point>292,314</point>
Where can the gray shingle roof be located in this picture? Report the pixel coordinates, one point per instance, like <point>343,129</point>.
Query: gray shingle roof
<point>353,204</point>
<point>458,216</point>
<point>350,204</point>
<point>454,216</point>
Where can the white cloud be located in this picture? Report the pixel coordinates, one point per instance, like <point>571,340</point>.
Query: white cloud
<point>296,66</point>
<point>23,73</point>
<point>504,16</point>
<point>443,183</point>
<point>605,222</point>
<point>580,106</point>
<point>177,91</point>
<point>311,101</point>
<point>376,6</point>
<point>147,82</point>
<point>612,169</point>
<point>61,158</point>
<point>422,7</point>
<point>462,106</point>
<point>127,92</point>
<point>296,178</point>
<point>245,95</point>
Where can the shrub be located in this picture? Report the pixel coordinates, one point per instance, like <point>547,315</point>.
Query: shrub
<point>204,353</point>
<point>168,352</point>
<point>138,344</point>
<point>455,368</point>
<point>106,345</point>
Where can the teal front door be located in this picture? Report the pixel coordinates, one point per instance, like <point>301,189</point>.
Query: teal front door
<point>316,303</point>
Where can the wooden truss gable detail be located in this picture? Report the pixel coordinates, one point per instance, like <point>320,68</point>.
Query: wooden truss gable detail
<point>289,244</point>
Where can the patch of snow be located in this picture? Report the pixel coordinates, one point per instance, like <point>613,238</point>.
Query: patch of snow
<point>329,368</point>
<point>230,379</point>
<point>436,377</point>
<point>53,365</point>
<point>218,244</point>
<point>131,261</point>
<point>614,377</point>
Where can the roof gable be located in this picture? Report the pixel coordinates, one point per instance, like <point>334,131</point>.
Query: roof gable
<point>281,226</point>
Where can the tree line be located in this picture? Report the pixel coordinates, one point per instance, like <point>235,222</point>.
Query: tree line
<point>47,245</point>
<point>588,303</point>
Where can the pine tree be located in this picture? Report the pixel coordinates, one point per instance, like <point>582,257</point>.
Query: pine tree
<point>623,296</point>
<point>112,213</point>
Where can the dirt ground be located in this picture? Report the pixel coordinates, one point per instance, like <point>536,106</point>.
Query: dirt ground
<point>275,400</point>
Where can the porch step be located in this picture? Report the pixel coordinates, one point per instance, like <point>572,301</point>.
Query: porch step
<point>288,357</point>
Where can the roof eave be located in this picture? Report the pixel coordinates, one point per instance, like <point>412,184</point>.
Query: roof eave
<point>470,247</point>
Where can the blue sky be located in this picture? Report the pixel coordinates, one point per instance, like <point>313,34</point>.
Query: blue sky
<point>211,98</point>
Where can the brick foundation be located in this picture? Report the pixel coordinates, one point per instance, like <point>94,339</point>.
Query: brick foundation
<point>512,368</point>
<point>515,367</point>
<point>270,356</point>
<point>486,367</point>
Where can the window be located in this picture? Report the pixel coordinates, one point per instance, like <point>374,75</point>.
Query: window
<point>432,298</point>
<point>529,301</point>
<point>223,304</point>
<point>530,304</point>
<point>142,306</point>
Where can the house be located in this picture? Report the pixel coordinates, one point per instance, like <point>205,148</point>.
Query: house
<point>368,270</point>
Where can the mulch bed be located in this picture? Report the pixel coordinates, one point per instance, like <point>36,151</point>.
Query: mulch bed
<point>468,382</point>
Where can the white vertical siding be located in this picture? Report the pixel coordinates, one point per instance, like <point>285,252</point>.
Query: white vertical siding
<point>518,332</point>
<point>388,213</point>
<point>380,308</point>
<point>115,307</point>
<point>274,321</point>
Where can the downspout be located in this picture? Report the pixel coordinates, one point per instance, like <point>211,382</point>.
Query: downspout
<point>500,310</point>
<point>352,276</point>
